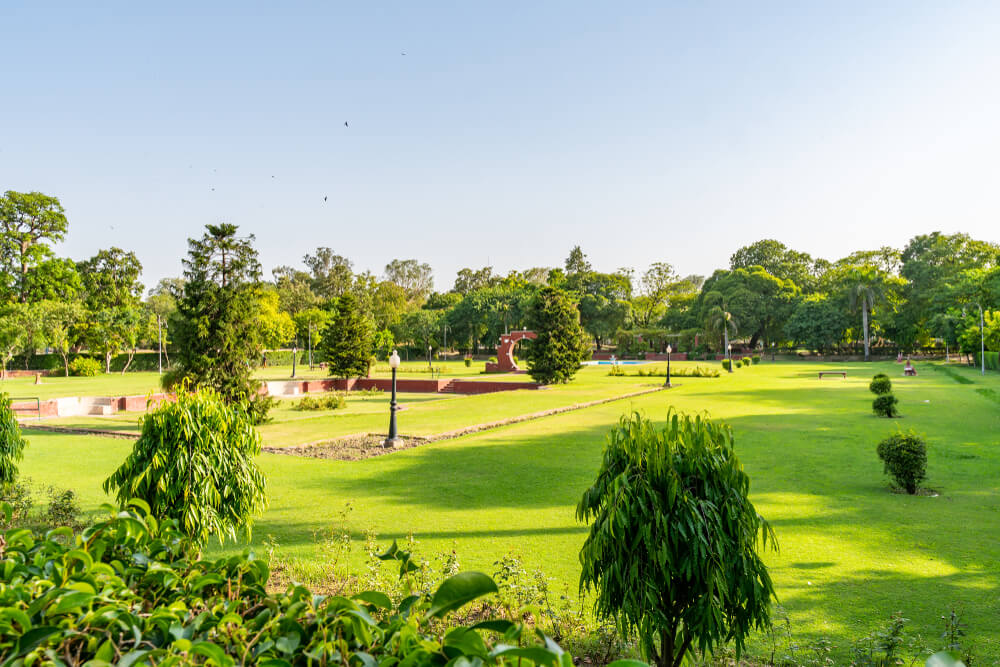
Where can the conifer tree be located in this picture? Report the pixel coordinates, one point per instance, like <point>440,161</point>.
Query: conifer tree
<point>346,343</point>
<point>562,343</point>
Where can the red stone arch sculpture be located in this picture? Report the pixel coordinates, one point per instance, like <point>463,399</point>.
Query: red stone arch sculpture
<point>505,353</point>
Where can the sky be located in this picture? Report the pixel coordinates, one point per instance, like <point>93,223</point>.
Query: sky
<point>506,133</point>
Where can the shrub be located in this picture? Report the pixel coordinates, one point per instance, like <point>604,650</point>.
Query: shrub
<point>331,402</point>
<point>885,406</point>
<point>85,367</point>
<point>880,384</point>
<point>194,462</point>
<point>17,496</point>
<point>905,459</point>
<point>468,362</point>
<point>12,443</point>
<point>64,508</point>
<point>756,358</point>
<point>727,364</point>
<point>492,360</point>
<point>156,604</point>
<point>745,361</point>
<point>656,486</point>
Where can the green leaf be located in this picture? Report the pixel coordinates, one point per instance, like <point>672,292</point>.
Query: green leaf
<point>537,654</point>
<point>500,626</point>
<point>33,638</point>
<point>375,599</point>
<point>69,602</point>
<point>212,652</point>
<point>459,590</point>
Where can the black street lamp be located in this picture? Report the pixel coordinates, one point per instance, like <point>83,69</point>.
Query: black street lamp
<point>667,383</point>
<point>729,355</point>
<point>773,345</point>
<point>393,440</point>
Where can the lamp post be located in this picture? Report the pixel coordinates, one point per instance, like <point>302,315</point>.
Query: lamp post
<point>295,355</point>
<point>669,350</point>
<point>310,346</point>
<point>429,357</point>
<point>773,345</point>
<point>729,356</point>
<point>159,352</point>
<point>982,343</point>
<point>393,439</point>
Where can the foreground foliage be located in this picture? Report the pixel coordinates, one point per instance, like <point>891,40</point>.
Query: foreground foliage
<point>194,462</point>
<point>671,551</point>
<point>126,591</point>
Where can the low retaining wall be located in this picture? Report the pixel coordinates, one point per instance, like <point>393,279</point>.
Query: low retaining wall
<point>405,385</point>
<point>77,406</point>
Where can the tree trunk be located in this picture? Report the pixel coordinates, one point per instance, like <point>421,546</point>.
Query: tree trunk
<point>864,318</point>
<point>107,362</point>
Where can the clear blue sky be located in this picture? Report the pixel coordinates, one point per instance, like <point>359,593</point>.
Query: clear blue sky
<point>509,132</point>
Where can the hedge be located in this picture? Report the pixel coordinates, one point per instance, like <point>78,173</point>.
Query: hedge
<point>992,360</point>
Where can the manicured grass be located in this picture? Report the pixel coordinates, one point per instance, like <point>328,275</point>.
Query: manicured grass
<point>852,552</point>
<point>110,384</point>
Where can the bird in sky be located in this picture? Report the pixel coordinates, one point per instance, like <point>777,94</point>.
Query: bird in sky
<point>324,198</point>
<point>345,124</point>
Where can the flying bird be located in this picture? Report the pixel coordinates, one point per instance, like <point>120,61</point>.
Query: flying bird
<point>345,124</point>
<point>324,198</point>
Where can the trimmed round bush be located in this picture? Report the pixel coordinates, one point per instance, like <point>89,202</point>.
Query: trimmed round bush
<point>885,406</point>
<point>727,364</point>
<point>755,359</point>
<point>905,458</point>
<point>85,367</point>
<point>880,384</point>
<point>745,361</point>
<point>468,362</point>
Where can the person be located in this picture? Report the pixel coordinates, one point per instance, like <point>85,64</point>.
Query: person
<point>909,369</point>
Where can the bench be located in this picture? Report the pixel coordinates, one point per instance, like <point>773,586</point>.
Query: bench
<point>842,374</point>
<point>910,371</point>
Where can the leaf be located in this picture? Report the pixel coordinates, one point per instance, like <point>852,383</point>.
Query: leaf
<point>458,591</point>
<point>500,626</point>
<point>69,602</point>
<point>375,599</point>
<point>213,652</point>
<point>33,638</point>
<point>537,654</point>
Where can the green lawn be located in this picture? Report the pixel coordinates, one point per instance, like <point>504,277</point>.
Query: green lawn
<point>111,384</point>
<point>851,552</point>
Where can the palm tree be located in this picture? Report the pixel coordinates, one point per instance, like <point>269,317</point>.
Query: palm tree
<point>865,289</point>
<point>722,319</point>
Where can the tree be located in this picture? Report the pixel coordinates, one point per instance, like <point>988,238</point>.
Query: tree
<point>111,279</point>
<point>416,279</point>
<point>864,290</point>
<point>217,337</point>
<point>780,261</point>
<point>194,462</point>
<point>468,280</point>
<point>561,345</point>
<point>55,279</point>
<point>332,274</point>
<point>12,333</point>
<point>59,319</point>
<point>111,331</point>
<point>577,262</point>
<point>346,342</point>
<point>671,551</point>
<point>27,220</point>
<point>817,322</point>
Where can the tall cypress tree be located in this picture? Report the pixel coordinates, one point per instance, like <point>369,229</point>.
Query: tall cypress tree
<point>562,343</point>
<point>346,343</point>
<point>215,333</point>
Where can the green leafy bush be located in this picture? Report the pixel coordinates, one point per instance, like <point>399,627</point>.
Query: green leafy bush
<point>905,458</point>
<point>880,384</point>
<point>661,371</point>
<point>12,443</point>
<point>64,508</point>
<point>468,362</point>
<point>745,361</point>
<point>659,487</point>
<point>885,405</point>
<point>756,358</point>
<point>130,592</point>
<point>85,367</point>
<point>330,402</point>
<point>727,364</point>
<point>194,462</point>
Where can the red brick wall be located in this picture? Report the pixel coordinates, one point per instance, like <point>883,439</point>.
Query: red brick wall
<point>138,403</point>
<point>676,356</point>
<point>49,408</point>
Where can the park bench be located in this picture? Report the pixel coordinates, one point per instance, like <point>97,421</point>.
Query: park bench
<point>910,371</point>
<point>842,374</point>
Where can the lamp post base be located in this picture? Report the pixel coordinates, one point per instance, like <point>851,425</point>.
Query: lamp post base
<point>391,443</point>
